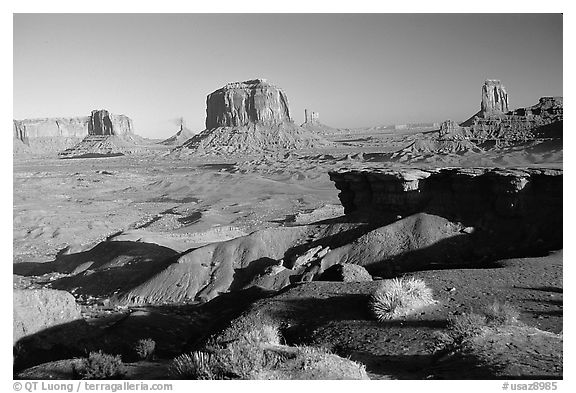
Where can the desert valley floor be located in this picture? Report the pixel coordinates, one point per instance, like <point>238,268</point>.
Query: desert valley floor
<point>109,231</point>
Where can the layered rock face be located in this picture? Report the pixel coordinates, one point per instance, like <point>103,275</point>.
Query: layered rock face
<point>494,98</point>
<point>519,206</point>
<point>247,103</point>
<point>249,117</point>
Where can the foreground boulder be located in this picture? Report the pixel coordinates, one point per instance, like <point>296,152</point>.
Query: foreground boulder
<point>346,272</point>
<point>39,309</point>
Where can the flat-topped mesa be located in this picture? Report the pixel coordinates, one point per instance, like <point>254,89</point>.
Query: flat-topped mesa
<point>494,98</point>
<point>253,102</point>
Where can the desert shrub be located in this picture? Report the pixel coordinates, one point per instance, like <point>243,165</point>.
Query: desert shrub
<point>501,314</point>
<point>466,326</point>
<point>144,348</point>
<point>305,363</point>
<point>469,325</point>
<point>246,356</point>
<point>398,297</point>
<point>99,365</point>
<point>196,365</point>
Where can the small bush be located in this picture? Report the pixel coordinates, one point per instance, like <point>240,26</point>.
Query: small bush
<point>466,326</point>
<point>246,356</point>
<point>144,348</point>
<point>196,365</point>
<point>100,365</point>
<point>501,314</point>
<point>398,297</point>
<point>469,325</point>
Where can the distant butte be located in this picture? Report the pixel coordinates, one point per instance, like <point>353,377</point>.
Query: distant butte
<point>249,117</point>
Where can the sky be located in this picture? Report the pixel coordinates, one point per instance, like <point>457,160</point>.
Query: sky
<point>356,70</point>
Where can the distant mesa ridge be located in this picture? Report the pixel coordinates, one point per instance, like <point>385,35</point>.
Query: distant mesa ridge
<point>99,122</point>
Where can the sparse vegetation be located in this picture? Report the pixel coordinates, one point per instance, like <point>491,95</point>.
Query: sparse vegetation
<point>398,297</point>
<point>246,356</point>
<point>99,365</point>
<point>259,354</point>
<point>196,365</point>
<point>144,348</point>
<point>501,314</point>
<point>469,325</point>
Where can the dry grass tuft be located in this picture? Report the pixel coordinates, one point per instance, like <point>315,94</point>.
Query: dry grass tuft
<point>501,314</point>
<point>196,365</point>
<point>399,297</point>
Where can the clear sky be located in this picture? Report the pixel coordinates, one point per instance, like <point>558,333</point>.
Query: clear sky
<point>354,69</point>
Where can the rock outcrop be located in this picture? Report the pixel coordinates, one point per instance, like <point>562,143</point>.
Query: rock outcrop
<point>346,272</point>
<point>249,117</point>
<point>516,208</point>
<point>39,309</point>
<point>494,98</point>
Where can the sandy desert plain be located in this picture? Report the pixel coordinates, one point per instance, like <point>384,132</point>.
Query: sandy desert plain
<point>262,249</point>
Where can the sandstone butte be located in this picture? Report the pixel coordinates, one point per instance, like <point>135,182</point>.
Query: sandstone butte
<point>250,117</point>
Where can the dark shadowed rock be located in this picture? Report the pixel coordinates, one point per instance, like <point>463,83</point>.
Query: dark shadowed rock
<point>514,208</point>
<point>346,272</point>
<point>39,309</point>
